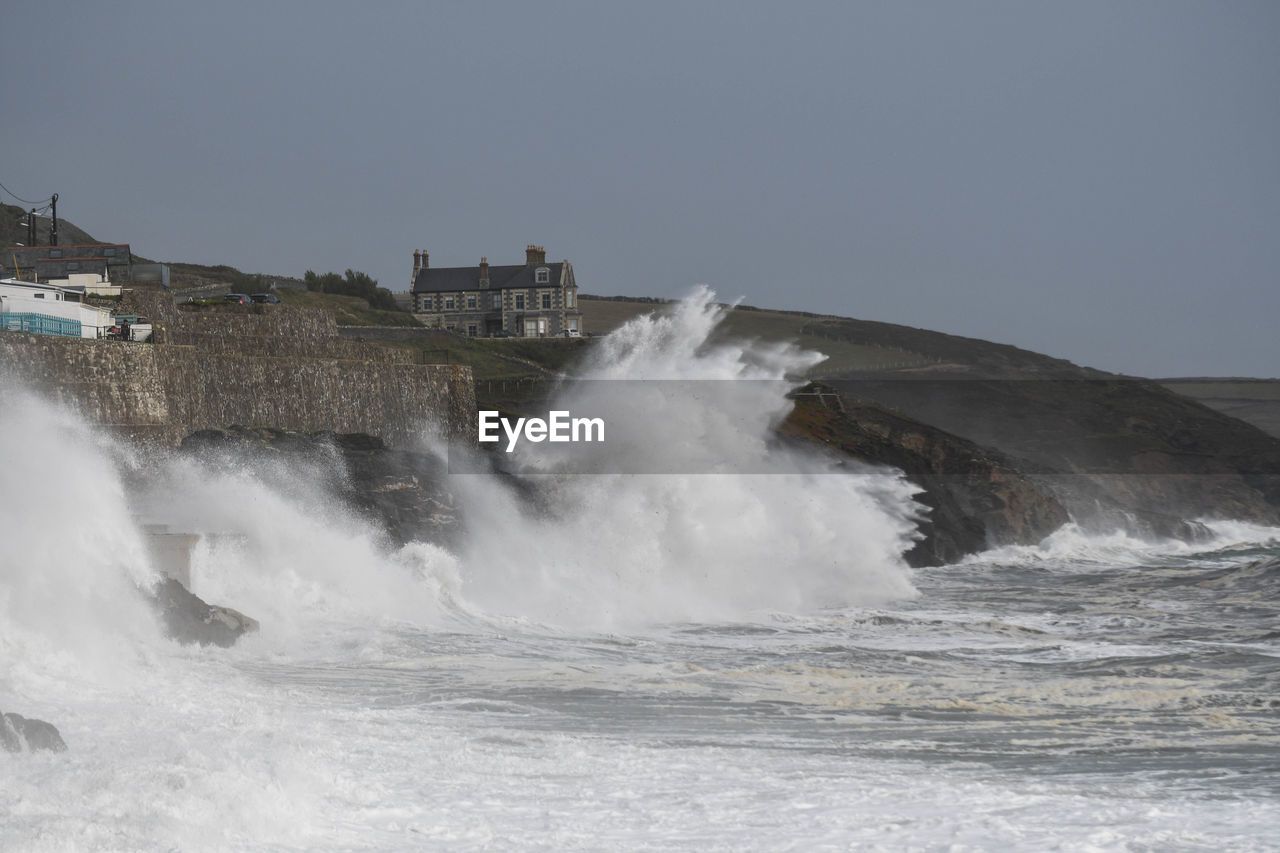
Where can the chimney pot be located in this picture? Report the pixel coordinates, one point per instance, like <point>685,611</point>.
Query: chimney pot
<point>535,254</point>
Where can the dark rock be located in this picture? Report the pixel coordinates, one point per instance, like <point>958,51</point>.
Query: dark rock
<point>403,491</point>
<point>1117,452</point>
<point>976,499</point>
<point>18,733</point>
<point>189,620</point>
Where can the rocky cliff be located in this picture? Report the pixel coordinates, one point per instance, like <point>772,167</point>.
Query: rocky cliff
<point>1116,452</point>
<point>976,499</point>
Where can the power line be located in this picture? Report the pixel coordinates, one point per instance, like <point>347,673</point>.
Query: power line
<point>21,199</point>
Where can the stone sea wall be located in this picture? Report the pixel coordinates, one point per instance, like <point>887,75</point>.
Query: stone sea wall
<point>286,368</point>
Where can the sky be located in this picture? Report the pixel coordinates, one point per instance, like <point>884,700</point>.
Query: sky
<point>1099,181</point>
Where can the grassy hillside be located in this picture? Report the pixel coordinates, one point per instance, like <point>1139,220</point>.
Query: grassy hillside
<point>844,351</point>
<point>511,374</point>
<point>1256,401</point>
<point>201,280</point>
<point>13,232</point>
<point>347,310</point>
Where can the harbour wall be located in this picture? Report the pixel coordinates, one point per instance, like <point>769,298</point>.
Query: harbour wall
<point>285,368</point>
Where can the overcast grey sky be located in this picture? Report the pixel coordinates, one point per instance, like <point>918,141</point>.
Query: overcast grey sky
<point>1098,181</point>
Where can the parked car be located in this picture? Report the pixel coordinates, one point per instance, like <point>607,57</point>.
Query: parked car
<point>269,298</point>
<point>237,298</point>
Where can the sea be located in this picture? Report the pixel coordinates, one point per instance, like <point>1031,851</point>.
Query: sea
<point>710,660</point>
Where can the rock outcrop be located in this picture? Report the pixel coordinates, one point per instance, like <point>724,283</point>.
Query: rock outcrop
<point>976,499</point>
<point>25,734</point>
<point>1116,452</point>
<point>190,621</point>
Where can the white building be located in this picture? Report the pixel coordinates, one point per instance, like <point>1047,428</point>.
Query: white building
<point>49,309</point>
<point>89,283</point>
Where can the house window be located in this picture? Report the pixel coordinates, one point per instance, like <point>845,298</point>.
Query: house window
<point>448,303</point>
<point>471,302</point>
<point>535,327</point>
<point>471,330</point>
<point>519,301</point>
<point>497,300</point>
<point>38,295</point>
<point>573,325</point>
<point>546,301</point>
<point>55,253</point>
<point>73,265</point>
<point>569,296</point>
<point>542,276</point>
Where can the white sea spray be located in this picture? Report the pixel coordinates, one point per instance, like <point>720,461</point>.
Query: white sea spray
<point>751,528</point>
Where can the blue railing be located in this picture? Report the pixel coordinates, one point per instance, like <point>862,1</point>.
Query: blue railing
<point>39,324</point>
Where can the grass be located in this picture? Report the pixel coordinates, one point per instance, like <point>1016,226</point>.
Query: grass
<point>601,316</point>
<point>813,333</point>
<point>347,310</point>
<point>806,330</point>
<point>502,359</point>
<point>511,374</point>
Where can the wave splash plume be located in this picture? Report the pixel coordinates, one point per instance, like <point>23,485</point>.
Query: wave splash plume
<point>756,528</point>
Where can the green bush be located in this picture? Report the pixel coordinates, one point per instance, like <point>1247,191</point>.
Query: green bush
<point>353,284</point>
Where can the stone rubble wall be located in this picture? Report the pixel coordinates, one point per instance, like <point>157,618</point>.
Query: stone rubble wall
<point>280,368</point>
<point>278,346</point>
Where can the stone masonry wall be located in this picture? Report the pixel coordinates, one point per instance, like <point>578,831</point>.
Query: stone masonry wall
<point>286,369</point>
<point>274,346</point>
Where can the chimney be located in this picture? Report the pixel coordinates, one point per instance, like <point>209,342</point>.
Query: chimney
<point>484,272</point>
<point>417,260</point>
<point>424,259</point>
<point>535,254</point>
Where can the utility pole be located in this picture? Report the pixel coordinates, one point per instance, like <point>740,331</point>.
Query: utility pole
<point>53,229</point>
<point>31,227</point>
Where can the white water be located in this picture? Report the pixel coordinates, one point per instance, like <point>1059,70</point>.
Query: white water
<point>708,662</point>
<point>619,550</point>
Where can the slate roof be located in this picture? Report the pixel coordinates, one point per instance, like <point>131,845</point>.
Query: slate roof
<point>29,255</point>
<point>60,261</point>
<point>449,279</point>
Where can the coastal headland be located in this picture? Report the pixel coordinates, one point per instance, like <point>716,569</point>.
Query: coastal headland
<point>1005,444</point>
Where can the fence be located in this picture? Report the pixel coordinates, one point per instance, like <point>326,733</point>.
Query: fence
<point>39,324</point>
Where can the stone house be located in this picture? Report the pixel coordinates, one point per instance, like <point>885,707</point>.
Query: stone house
<point>530,300</point>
